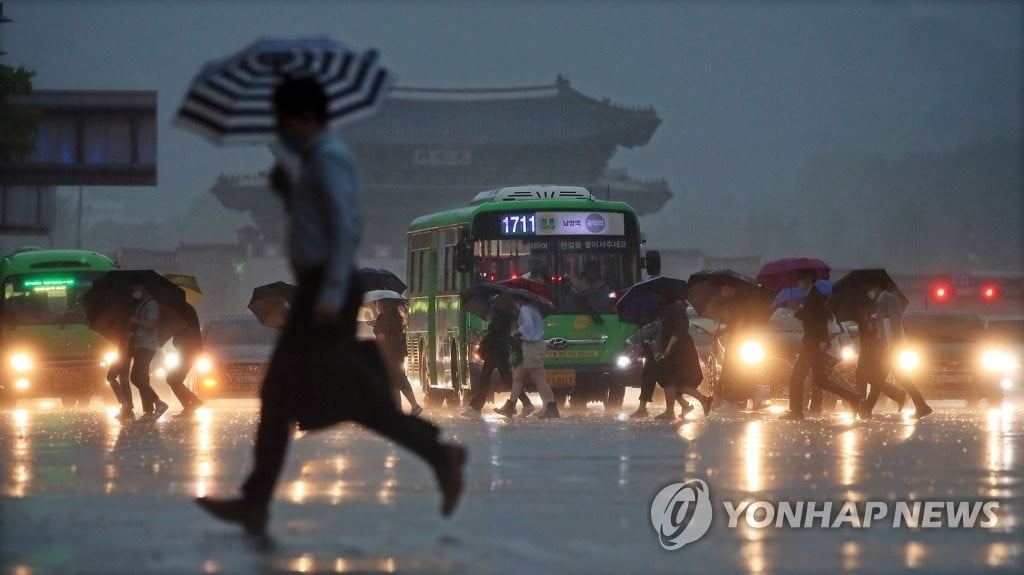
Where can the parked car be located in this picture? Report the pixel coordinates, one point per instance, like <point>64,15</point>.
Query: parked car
<point>236,353</point>
<point>950,355</point>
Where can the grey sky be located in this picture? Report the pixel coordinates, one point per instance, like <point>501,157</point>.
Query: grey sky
<point>747,92</point>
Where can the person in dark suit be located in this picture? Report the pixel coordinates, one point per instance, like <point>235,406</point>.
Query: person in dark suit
<point>316,349</point>
<point>813,358</point>
<point>188,341</point>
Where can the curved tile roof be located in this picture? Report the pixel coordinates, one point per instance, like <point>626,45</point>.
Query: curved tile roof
<point>531,115</point>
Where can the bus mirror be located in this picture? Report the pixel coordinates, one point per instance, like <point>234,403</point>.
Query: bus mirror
<point>464,256</point>
<point>653,263</point>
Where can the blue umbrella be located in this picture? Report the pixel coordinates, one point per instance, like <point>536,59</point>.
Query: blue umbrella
<point>789,295</point>
<point>824,286</point>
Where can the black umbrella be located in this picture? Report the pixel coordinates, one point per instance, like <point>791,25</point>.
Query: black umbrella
<point>230,101</point>
<point>271,303</point>
<point>639,304</point>
<point>478,299</point>
<point>108,303</point>
<point>704,292</point>
<point>379,278</point>
<point>849,294</point>
<point>544,306</point>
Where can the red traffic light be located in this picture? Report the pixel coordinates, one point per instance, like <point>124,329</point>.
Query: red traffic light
<point>989,292</point>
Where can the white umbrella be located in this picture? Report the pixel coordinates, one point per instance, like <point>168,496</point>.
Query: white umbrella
<point>230,101</point>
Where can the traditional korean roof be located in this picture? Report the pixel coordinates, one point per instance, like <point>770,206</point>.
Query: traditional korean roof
<point>516,116</point>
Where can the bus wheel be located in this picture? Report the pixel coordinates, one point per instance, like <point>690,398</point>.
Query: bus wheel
<point>616,395</point>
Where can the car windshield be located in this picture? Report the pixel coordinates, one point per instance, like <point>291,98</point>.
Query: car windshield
<point>944,328</point>
<point>46,299</point>
<point>1011,330</point>
<point>582,274</point>
<point>239,331</point>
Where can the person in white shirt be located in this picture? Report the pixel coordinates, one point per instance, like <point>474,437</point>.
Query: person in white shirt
<point>530,332</point>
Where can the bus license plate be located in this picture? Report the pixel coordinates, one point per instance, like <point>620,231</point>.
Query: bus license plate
<point>565,378</point>
<point>953,379</point>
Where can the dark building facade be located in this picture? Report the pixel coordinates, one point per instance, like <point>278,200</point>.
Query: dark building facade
<point>433,149</point>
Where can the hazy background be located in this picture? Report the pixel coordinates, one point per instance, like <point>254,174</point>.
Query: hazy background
<point>864,132</point>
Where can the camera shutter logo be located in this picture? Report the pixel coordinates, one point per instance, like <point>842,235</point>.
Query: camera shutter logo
<point>681,513</point>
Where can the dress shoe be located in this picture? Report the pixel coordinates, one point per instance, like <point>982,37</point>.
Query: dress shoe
<point>508,410</point>
<point>252,517</point>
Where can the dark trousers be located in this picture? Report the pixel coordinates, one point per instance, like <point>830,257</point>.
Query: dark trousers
<point>117,377</point>
<point>876,373</point>
<point>814,361</point>
<point>648,380</point>
<point>482,386</point>
<point>377,412</point>
<point>140,359</point>
<point>176,381</point>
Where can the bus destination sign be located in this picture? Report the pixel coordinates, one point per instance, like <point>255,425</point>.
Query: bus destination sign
<point>563,224</point>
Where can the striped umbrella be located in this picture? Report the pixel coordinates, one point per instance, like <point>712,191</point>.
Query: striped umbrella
<point>231,100</point>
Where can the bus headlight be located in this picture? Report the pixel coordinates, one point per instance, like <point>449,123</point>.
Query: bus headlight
<point>996,361</point>
<point>909,360</point>
<point>111,357</point>
<point>209,382</point>
<point>623,361</point>
<point>172,360</point>
<point>752,352</point>
<point>21,362</point>
<point>204,365</point>
<point>22,384</point>
<point>847,353</point>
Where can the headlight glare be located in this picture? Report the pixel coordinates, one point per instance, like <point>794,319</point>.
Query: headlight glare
<point>996,361</point>
<point>623,361</point>
<point>204,365</point>
<point>909,360</point>
<point>21,362</point>
<point>172,360</point>
<point>847,353</point>
<point>752,352</point>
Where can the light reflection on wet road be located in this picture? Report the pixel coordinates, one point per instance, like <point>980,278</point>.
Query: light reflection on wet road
<point>82,492</point>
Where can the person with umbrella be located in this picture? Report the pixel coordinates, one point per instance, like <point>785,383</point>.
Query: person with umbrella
<point>144,340</point>
<point>494,350</point>
<point>389,330</point>
<point>678,371</point>
<point>188,341</point>
<point>530,334</point>
<point>813,357</point>
<point>324,226</point>
<point>880,328</point>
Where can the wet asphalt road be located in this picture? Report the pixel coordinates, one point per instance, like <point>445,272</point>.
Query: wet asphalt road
<point>82,493</point>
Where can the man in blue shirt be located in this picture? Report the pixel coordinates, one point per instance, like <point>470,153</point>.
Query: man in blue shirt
<point>323,233</point>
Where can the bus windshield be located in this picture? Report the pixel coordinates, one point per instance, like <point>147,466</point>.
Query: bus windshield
<point>583,274</point>
<point>44,299</point>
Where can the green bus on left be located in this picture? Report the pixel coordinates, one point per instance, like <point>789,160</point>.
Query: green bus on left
<point>46,349</point>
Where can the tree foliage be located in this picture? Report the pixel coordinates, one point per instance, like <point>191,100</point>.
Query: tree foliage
<point>17,125</point>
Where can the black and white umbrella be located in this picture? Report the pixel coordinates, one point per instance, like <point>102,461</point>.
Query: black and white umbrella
<point>231,100</point>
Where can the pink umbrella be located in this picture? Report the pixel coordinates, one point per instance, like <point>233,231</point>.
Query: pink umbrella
<point>780,274</point>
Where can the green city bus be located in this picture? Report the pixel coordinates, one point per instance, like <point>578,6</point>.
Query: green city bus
<point>46,349</point>
<point>506,233</point>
